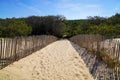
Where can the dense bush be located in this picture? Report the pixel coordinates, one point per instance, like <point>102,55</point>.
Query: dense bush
<point>14,27</point>
<point>59,26</point>
<point>33,25</point>
<point>46,25</point>
<point>109,27</point>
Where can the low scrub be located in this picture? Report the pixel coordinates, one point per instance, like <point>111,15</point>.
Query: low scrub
<point>93,45</point>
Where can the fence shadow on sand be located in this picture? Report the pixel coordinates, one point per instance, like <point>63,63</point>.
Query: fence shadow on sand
<point>99,55</point>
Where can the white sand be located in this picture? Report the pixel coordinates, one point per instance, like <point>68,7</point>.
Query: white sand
<point>57,61</point>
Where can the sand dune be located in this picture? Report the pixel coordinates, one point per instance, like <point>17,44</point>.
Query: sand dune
<point>57,61</point>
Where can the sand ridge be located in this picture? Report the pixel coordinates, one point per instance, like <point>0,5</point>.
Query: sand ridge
<point>57,61</point>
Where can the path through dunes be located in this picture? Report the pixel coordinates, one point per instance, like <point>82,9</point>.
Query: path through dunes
<point>57,61</point>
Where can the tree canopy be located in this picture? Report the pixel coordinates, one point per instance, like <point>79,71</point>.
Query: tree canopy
<point>109,27</point>
<point>59,26</point>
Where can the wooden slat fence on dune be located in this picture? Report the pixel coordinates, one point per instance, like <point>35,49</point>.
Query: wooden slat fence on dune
<point>102,56</point>
<point>12,49</point>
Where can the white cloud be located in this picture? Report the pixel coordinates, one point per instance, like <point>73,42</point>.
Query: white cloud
<point>29,7</point>
<point>92,6</point>
<point>71,9</point>
<point>116,8</point>
<point>76,10</point>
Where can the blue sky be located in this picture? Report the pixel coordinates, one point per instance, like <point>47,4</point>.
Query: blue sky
<point>71,9</point>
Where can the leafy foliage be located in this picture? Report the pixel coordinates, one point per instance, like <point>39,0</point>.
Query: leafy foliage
<point>59,26</point>
<point>109,27</point>
<point>46,25</point>
<point>14,27</point>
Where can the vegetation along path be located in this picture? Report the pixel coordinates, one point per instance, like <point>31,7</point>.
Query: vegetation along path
<point>57,61</point>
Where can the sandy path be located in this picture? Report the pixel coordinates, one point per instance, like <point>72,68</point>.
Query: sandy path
<point>57,61</point>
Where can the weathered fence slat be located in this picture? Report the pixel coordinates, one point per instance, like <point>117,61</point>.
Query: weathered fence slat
<point>109,48</point>
<point>12,49</point>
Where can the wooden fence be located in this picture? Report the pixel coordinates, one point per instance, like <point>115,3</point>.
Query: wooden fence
<point>12,49</point>
<point>105,49</point>
<point>99,43</point>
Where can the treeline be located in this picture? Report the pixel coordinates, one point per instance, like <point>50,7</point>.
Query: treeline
<point>109,27</point>
<point>33,25</point>
<point>53,25</point>
<point>59,26</point>
<point>14,27</point>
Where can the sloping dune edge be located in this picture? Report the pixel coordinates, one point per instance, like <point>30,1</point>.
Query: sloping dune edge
<point>57,61</point>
